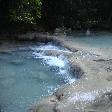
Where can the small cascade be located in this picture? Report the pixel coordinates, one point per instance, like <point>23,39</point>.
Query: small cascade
<point>53,56</point>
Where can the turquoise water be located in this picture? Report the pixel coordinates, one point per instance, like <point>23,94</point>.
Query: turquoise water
<point>27,74</point>
<point>98,43</point>
<point>94,40</point>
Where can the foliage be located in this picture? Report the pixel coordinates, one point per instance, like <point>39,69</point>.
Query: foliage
<point>26,11</point>
<point>75,14</point>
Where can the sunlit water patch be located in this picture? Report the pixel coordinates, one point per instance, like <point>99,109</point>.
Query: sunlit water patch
<point>27,74</point>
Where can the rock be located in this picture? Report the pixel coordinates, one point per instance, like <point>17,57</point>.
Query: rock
<point>60,31</point>
<point>76,71</point>
<point>48,104</point>
<point>46,108</point>
<point>57,53</point>
<point>102,104</point>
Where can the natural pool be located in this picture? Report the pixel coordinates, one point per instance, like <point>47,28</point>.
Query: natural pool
<point>100,43</point>
<point>94,39</point>
<point>27,74</point>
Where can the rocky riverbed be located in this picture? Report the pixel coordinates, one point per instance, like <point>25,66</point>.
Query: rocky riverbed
<point>90,93</point>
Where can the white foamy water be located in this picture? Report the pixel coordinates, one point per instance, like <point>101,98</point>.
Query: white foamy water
<point>45,47</point>
<point>50,60</point>
<point>59,62</point>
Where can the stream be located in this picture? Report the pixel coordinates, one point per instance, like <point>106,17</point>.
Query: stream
<point>28,73</point>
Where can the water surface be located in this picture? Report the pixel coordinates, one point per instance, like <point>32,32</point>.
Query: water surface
<point>27,74</point>
<point>99,42</point>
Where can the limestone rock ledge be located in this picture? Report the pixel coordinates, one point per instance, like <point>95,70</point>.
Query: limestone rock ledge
<point>91,93</point>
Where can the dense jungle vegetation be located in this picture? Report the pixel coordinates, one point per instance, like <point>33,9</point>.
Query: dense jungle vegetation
<point>50,14</point>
